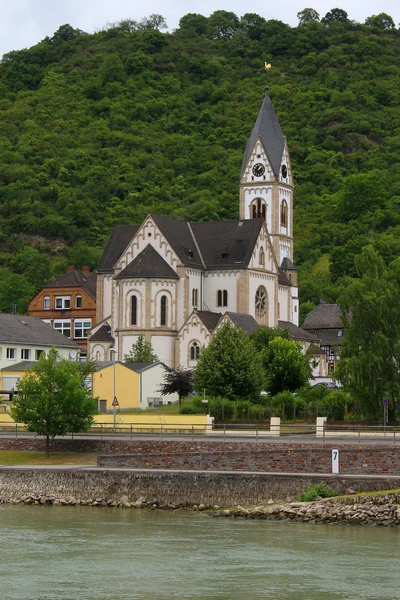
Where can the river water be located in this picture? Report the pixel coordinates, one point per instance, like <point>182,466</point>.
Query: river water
<point>59,553</point>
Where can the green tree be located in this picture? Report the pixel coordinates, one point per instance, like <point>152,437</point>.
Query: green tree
<point>286,367</point>
<point>229,366</point>
<point>335,15</point>
<point>178,382</point>
<point>369,367</point>
<point>307,15</point>
<point>141,351</point>
<point>52,398</point>
<point>381,21</point>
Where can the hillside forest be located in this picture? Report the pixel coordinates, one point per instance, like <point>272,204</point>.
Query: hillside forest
<point>101,129</point>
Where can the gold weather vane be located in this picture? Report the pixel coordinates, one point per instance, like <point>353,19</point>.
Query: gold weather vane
<point>267,67</point>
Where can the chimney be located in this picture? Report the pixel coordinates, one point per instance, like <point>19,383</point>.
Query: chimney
<point>85,271</point>
<point>71,268</point>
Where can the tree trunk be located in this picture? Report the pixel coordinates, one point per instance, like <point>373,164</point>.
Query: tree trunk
<point>47,446</point>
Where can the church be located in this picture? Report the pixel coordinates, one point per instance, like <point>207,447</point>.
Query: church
<point>176,282</point>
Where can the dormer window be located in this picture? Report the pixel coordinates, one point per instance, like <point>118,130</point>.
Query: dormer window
<point>190,254</point>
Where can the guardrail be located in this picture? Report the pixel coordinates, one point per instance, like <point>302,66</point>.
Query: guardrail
<point>289,433</point>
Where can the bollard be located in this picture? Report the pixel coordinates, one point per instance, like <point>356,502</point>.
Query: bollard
<point>16,430</point>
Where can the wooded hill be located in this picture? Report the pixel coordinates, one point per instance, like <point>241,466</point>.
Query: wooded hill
<point>100,129</point>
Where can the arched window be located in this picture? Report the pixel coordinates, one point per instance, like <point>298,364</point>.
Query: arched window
<point>163,310</point>
<point>194,351</point>
<point>195,298</point>
<point>259,209</point>
<point>284,213</point>
<point>222,298</point>
<point>261,305</point>
<point>262,257</point>
<point>134,310</point>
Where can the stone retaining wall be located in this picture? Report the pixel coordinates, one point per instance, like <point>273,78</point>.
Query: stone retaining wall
<point>165,489</point>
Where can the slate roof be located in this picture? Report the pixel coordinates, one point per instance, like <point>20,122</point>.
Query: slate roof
<point>209,244</point>
<point>324,316</point>
<point>282,279</point>
<point>103,334</point>
<point>76,278</point>
<point>210,319</point>
<point>269,131</point>
<point>246,322</point>
<point>148,264</point>
<point>17,329</point>
<point>330,337</point>
<point>287,264</point>
<point>297,332</point>
<point>120,237</point>
<point>227,244</point>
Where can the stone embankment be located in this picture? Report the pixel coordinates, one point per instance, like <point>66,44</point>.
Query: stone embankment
<point>382,510</point>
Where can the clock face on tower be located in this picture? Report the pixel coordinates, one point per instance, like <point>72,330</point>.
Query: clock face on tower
<point>258,170</point>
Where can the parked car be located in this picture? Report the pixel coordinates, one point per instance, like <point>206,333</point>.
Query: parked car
<point>328,384</point>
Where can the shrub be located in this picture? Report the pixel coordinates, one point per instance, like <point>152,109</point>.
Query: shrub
<point>318,490</point>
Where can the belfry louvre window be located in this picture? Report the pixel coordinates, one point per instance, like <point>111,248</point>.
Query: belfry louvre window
<point>163,310</point>
<point>195,297</point>
<point>284,213</point>
<point>134,310</point>
<point>222,298</point>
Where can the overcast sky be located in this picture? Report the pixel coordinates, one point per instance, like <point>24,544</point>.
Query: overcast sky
<point>23,23</point>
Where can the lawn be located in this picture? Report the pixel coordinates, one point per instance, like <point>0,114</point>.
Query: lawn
<point>25,457</point>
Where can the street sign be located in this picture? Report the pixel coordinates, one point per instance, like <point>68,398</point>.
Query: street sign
<point>385,401</point>
<point>115,402</point>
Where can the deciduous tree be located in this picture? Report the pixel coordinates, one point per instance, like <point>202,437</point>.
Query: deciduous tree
<point>141,351</point>
<point>178,382</point>
<point>52,398</point>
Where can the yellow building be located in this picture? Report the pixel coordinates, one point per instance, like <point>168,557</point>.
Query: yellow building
<point>135,385</point>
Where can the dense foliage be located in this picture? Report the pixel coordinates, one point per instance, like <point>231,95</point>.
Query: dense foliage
<point>102,129</point>
<point>178,382</point>
<point>52,398</point>
<point>370,354</point>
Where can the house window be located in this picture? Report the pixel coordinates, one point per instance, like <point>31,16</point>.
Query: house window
<point>284,213</point>
<point>38,354</point>
<point>82,328</point>
<point>134,310</point>
<point>194,351</point>
<point>11,353</point>
<point>195,297</point>
<point>262,257</point>
<point>25,354</point>
<point>63,327</point>
<point>331,368</point>
<point>78,302</point>
<point>46,303</point>
<point>222,298</point>
<point>340,333</point>
<point>63,302</point>
<point>163,311</point>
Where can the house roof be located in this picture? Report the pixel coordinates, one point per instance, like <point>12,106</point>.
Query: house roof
<point>324,316</point>
<point>297,332</point>
<point>120,237</point>
<point>76,278</point>
<point>103,334</point>
<point>245,322</point>
<point>330,337</point>
<point>210,319</point>
<point>268,130</point>
<point>148,264</point>
<point>138,367</point>
<point>288,265</point>
<point>17,329</point>
<point>180,236</point>
<point>21,366</point>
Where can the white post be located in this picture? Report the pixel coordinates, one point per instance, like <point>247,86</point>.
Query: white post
<point>335,461</point>
<point>275,426</point>
<point>321,423</point>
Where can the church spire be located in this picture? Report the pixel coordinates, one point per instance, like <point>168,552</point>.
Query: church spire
<point>270,134</point>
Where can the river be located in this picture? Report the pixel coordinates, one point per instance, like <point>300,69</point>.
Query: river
<point>68,553</point>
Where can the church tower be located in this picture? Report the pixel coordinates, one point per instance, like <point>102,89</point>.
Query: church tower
<point>266,181</point>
